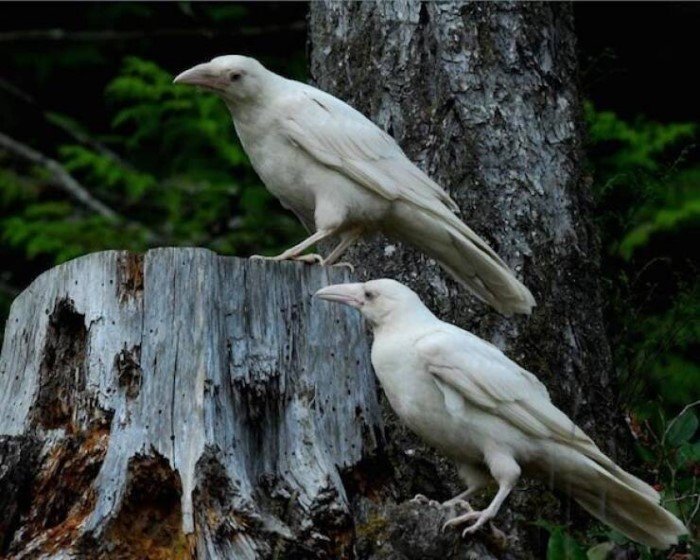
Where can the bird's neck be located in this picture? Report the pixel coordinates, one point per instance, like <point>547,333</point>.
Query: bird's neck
<point>244,113</point>
<point>399,319</point>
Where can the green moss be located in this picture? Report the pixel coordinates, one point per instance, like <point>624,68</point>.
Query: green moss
<point>373,528</point>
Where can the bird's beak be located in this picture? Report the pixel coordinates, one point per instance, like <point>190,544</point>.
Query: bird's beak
<point>205,75</point>
<point>347,294</point>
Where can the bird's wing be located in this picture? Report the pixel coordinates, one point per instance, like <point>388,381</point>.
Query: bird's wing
<point>340,137</point>
<point>483,376</point>
<point>337,136</point>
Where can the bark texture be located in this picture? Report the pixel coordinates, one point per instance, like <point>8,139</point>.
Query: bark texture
<point>483,97</point>
<point>182,405</point>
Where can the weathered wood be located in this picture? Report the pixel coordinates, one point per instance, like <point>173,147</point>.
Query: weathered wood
<point>483,96</point>
<point>181,404</point>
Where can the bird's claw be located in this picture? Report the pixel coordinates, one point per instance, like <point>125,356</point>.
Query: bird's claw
<point>479,518</point>
<point>345,264</point>
<point>423,500</point>
<point>457,503</point>
<point>311,258</point>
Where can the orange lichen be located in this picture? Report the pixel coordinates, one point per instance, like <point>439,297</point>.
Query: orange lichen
<point>62,495</point>
<point>149,523</point>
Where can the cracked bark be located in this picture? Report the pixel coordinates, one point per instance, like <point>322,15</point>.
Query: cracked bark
<point>483,97</point>
<point>181,405</point>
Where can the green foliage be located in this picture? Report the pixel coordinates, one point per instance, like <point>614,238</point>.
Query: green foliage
<point>669,448</point>
<point>52,228</point>
<point>561,546</point>
<point>638,144</point>
<point>682,428</point>
<point>564,545</point>
<point>647,191</point>
<point>656,352</point>
<point>196,122</point>
<point>672,206</point>
<point>647,195</point>
<point>600,551</point>
<point>108,172</point>
<point>172,168</point>
<point>649,201</point>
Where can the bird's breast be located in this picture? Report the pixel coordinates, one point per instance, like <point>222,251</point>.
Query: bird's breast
<point>419,404</point>
<point>280,166</point>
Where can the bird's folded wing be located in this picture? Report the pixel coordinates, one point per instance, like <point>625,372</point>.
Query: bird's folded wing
<point>484,377</point>
<point>340,137</point>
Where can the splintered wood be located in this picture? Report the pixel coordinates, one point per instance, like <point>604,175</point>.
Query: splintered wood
<point>181,404</point>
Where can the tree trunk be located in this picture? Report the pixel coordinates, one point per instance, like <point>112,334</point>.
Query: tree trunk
<point>181,405</point>
<point>483,97</point>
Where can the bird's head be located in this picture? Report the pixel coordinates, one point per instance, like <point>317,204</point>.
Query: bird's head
<point>379,301</point>
<point>234,78</point>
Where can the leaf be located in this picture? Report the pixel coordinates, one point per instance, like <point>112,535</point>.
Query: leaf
<point>683,428</point>
<point>646,454</point>
<point>562,546</point>
<point>665,219</point>
<point>600,551</point>
<point>638,144</point>
<point>688,454</point>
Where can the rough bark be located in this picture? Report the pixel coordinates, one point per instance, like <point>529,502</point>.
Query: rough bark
<point>180,405</point>
<point>483,97</point>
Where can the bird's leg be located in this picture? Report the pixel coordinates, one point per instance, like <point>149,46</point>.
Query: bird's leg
<point>461,498</point>
<point>294,253</point>
<point>346,241</point>
<point>476,479</point>
<point>506,472</point>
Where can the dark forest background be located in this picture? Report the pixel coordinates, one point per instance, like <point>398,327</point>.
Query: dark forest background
<point>98,150</point>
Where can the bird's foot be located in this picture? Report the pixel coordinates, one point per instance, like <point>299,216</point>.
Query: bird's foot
<point>311,258</point>
<point>423,500</point>
<point>456,503</point>
<point>346,265</point>
<point>479,518</point>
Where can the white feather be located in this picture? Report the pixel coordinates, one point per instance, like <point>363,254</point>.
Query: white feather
<point>466,398</point>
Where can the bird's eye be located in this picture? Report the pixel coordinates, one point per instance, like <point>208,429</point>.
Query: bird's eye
<point>235,76</point>
<point>369,295</point>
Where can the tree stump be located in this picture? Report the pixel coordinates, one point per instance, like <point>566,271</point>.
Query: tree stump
<point>181,404</point>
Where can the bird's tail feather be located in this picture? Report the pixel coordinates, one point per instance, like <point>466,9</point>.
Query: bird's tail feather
<point>607,496</point>
<point>623,476</point>
<point>466,256</point>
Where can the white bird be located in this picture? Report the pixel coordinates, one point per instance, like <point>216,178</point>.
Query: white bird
<point>343,176</point>
<point>494,419</point>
